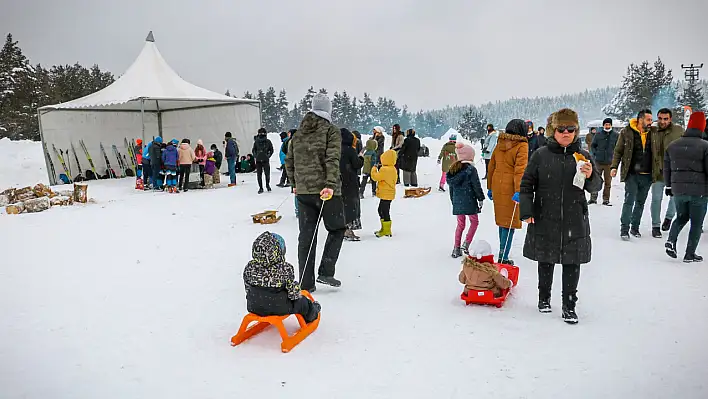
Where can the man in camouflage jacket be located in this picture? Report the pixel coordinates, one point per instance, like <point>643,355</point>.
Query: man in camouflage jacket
<point>312,163</point>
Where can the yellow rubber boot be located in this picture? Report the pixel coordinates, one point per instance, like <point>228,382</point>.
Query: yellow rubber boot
<point>385,230</point>
<point>377,232</point>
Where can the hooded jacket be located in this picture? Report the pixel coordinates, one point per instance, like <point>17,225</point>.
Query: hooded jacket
<point>686,165</point>
<point>448,156</point>
<point>506,168</point>
<point>349,164</point>
<point>231,148</point>
<point>312,162</point>
<point>371,156</point>
<point>465,188</point>
<point>218,158</point>
<point>490,143</point>
<point>408,154</point>
<point>170,156</point>
<point>262,148</point>
<point>283,149</point>
<point>386,176</point>
<point>186,154</point>
<point>200,153</point>
<point>482,276</point>
<point>632,153</point>
<point>210,166</point>
<point>269,279</point>
<point>156,153</point>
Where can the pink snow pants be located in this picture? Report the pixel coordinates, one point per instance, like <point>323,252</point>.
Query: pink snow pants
<point>461,221</point>
<point>443,179</point>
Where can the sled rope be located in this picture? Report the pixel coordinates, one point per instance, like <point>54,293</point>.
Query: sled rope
<point>513,213</point>
<point>307,261</point>
<point>281,204</point>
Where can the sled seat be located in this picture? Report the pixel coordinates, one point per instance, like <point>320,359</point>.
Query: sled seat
<point>262,322</point>
<point>486,297</point>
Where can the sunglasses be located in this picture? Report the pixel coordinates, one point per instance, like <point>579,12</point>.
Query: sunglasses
<point>568,129</point>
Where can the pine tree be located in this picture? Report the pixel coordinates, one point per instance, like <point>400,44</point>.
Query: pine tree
<point>281,108</point>
<point>16,91</point>
<point>693,96</point>
<point>306,102</point>
<point>294,118</point>
<point>349,112</point>
<point>269,110</point>
<point>366,113</point>
<point>248,95</point>
<point>323,91</point>
<point>472,125</point>
<point>337,109</point>
<point>643,86</point>
<point>228,93</point>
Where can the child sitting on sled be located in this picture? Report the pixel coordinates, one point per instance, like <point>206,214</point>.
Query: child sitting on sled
<point>210,170</point>
<point>271,289</point>
<point>479,272</point>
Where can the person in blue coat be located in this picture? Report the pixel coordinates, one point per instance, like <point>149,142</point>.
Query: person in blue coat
<point>284,137</point>
<point>170,158</point>
<point>466,195</point>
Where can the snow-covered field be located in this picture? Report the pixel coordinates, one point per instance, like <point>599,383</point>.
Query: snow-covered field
<point>137,296</point>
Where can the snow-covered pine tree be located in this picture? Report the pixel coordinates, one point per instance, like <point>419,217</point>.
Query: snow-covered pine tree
<point>472,125</point>
<point>306,102</point>
<point>281,109</point>
<point>247,94</point>
<point>271,120</point>
<point>337,109</point>
<point>294,118</point>
<point>228,93</point>
<point>367,113</point>
<point>323,91</point>
<point>693,96</point>
<point>16,92</point>
<point>349,114</point>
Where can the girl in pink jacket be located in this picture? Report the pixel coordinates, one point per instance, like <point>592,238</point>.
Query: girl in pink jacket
<point>201,154</point>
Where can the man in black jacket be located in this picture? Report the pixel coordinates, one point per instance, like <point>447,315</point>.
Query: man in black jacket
<point>218,159</point>
<point>408,159</point>
<point>686,178</point>
<point>602,147</point>
<point>262,151</point>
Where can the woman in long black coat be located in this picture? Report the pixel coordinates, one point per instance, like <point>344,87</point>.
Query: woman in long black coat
<point>349,163</point>
<point>408,159</point>
<point>557,211</point>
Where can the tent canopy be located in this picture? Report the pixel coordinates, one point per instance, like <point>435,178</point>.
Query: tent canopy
<point>150,83</point>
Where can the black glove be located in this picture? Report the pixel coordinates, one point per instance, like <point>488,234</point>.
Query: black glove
<point>668,192</point>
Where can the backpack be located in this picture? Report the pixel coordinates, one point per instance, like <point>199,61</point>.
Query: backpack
<point>261,150</point>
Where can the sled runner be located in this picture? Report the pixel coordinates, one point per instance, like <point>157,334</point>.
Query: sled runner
<point>486,297</point>
<point>289,341</point>
<point>417,192</point>
<point>266,217</point>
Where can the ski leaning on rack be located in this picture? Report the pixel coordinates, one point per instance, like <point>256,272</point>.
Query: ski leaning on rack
<point>51,164</point>
<point>121,166</point>
<point>88,156</point>
<point>111,174</point>
<point>63,164</point>
<point>78,177</point>
<point>131,153</point>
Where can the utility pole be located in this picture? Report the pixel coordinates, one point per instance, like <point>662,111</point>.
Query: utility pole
<point>691,73</point>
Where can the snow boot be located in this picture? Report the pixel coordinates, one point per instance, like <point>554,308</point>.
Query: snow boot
<point>634,231</point>
<point>544,306</point>
<point>441,189</point>
<point>507,262</point>
<point>691,258</point>
<point>331,281</point>
<point>569,316</point>
<point>465,248</point>
<point>260,190</point>
<point>606,203</point>
<point>666,226</point>
<point>385,230</point>
<point>670,249</point>
<point>350,236</point>
<point>268,188</point>
<point>456,252</point>
<point>656,232</point>
<point>313,313</point>
<point>545,284</point>
<point>377,232</point>
<point>592,202</point>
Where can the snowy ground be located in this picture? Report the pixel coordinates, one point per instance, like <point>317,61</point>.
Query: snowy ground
<point>138,296</point>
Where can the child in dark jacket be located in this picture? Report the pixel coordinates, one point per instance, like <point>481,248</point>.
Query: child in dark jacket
<point>371,158</point>
<point>271,289</point>
<point>169,160</point>
<point>466,195</point>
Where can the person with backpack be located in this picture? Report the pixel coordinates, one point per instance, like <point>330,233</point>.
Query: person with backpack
<point>218,159</point>
<point>147,169</point>
<point>371,158</point>
<point>262,151</point>
<point>231,157</point>
<point>156,161</point>
<point>284,137</point>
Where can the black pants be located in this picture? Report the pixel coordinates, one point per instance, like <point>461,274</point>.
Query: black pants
<point>201,175</point>
<point>362,186</point>
<point>571,277</point>
<point>385,210</point>
<point>284,177</point>
<point>486,170</point>
<point>309,206</point>
<point>261,168</point>
<point>184,171</point>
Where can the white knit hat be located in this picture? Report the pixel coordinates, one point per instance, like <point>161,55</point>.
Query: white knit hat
<point>479,249</point>
<point>322,106</point>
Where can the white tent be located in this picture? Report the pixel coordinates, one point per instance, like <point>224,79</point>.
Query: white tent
<point>149,100</point>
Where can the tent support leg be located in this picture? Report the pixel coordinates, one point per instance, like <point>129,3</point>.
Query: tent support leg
<point>142,119</point>
<point>159,118</point>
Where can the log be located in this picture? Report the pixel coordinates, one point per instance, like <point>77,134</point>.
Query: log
<point>15,209</point>
<point>80,192</point>
<point>10,193</point>
<point>4,200</point>
<point>40,190</point>
<point>61,200</point>
<point>23,194</point>
<point>37,205</point>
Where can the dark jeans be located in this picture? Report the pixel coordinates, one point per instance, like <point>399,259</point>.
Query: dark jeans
<point>693,209</point>
<point>201,175</point>
<point>309,206</point>
<point>486,167</point>
<point>156,178</point>
<point>636,189</point>
<point>364,181</point>
<point>184,176</point>
<point>506,237</point>
<point>147,172</point>
<point>284,177</point>
<point>385,210</point>
<point>571,277</point>
<point>231,164</point>
<point>261,168</point>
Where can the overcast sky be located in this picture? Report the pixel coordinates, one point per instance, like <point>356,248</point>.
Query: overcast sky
<point>423,53</point>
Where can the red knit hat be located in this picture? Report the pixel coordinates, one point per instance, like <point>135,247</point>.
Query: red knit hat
<point>697,121</point>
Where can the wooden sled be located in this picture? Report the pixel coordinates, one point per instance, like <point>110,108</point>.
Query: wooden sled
<point>266,217</point>
<point>417,192</point>
<point>486,297</point>
<point>289,341</point>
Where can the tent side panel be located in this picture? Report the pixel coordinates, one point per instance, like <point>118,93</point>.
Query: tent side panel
<point>210,124</point>
<point>64,128</point>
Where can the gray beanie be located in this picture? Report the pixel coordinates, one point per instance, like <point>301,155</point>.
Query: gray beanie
<point>322,106</point>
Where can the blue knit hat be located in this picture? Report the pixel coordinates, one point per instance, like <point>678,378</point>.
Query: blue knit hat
<point>158,139</point>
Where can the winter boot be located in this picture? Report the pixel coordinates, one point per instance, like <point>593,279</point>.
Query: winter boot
<point>260,190</point>
<point>545,283</point>
<point>456,252</point>
<point>670,249</point>
<point>691,258</point>
<point>656,232</point>
<point>569,315</point>
<point>385,230</point>
<point>441,189</point>
<point>544,306</point>
<point>331,281</point>
<point>268,188</point>
<point>606,203</point>
<point>313,313</point>
<point>634,231</point>
<point>592,202</point>
<point>379,231</point>
<point>666,226</point>
<point>465,248</point>
<point>350,236</point>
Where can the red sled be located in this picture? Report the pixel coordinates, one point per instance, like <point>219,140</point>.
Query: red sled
<point>486,297</point>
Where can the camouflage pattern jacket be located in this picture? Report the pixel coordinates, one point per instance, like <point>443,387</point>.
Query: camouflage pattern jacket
<point>312,162</point>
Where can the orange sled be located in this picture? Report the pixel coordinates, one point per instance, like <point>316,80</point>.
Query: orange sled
<point>486,297</point>
<point>289,341</point>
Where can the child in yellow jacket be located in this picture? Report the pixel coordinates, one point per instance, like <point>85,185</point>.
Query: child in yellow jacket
<point>386,177</point>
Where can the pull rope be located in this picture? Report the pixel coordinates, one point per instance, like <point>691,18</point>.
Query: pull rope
<point>312,242</point>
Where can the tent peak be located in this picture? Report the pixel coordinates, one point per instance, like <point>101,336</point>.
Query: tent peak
<point>150,37</point>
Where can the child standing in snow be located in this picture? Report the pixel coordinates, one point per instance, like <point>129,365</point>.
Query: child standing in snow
<point>386,177</point>
<point>479,272</point>
<point>271,289</point>
<point>466,195</point>
<point>446,158</point>
<point>169,161</point>
<point>201,155</point>
<point>371,158</point>
<point>209,170</point>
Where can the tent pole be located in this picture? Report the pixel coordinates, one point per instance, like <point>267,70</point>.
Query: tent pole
<point>142,118</point>
<point>159,118</point>
<point>52,179</point>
